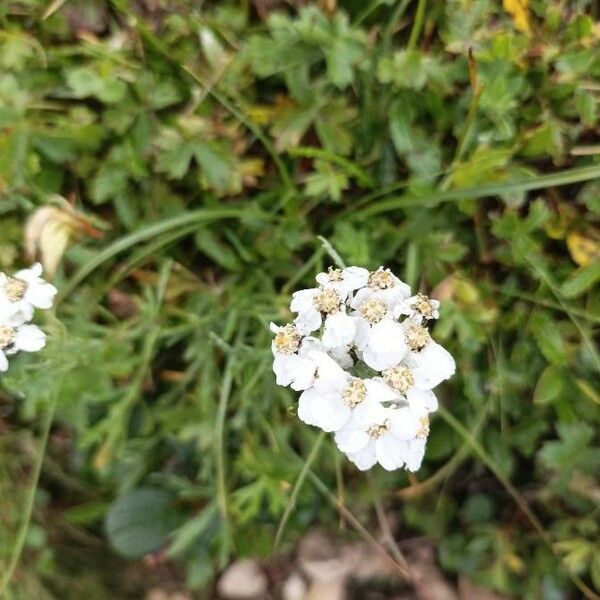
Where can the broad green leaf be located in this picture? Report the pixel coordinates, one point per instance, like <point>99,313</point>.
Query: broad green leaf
<point>141,521</point>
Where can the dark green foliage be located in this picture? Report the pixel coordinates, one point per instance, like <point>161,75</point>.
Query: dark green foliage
<point>204,147</point>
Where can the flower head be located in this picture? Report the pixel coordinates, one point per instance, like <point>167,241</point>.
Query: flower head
<point>20,295</point>
<point>23,292</point>
<point>367,375</point>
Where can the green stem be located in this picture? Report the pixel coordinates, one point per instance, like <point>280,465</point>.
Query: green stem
<point>314,452</point>
<point>417,25</point>
<point>29,500</point>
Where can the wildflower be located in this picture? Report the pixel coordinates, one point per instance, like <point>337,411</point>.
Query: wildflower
<point>369,377</point>
<point>376,434</point>
<point>382,285</point>
<point>290,364</point>
<point>24,291</point>
<point>16,338</point>
<point>419,308</point>
<point>327,304</point>
<point>379,338</point>
<point>343,281</point>
<point>335,395</point>
<point>430,362</point>
<point>410,388</point>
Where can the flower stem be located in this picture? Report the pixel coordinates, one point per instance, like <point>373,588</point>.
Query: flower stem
<point>30,499</point>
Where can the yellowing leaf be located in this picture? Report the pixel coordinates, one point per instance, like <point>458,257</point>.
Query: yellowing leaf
<point>519,11</point>
<point>583,248</point>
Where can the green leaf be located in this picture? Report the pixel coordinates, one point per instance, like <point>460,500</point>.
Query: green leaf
<point>581,280</point>
<point>327,181</point>
<point>140,521</point>
<point>550,385</point>
<point>548,337</point>
<point>572,449</point>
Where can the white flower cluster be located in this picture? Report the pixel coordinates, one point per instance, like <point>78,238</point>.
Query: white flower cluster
<point>368,379</point>
<point>20,295</point>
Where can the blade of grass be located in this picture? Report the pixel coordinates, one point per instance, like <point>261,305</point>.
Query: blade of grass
<point>417,25</point>
<point>203,215</point>
<point>566,177</point>
<point>355,523</point>
<point>337,259</point>
<point>8,574</point>
<point>291,504</point>
<point>388,536</point>
<point>547,279</point>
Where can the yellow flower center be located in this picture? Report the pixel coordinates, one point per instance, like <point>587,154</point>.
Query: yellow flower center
<point>15,288</point>
<point>417,337</point>
<point>327,301</point>
<point>422,305</point>
<point>381,280</point>
<point>7,336</point>
<point>355,393</point>
<point>377,431</point>
<point>287,340</point>
<point>334,274</point>
<point>373,310</point>
<point>400,378</point>
<point>423,432</point>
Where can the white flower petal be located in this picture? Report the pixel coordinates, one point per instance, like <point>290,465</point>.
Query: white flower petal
<point>330,413</point>
<point>41,295</point>
<point>308,321</point>
<point>380,391</point>
<point>364,459</point>
<point>390,452</point>
<point>303,300</point>
<point>30,338</point>
<point>351,438</point>
<point>340,330</point>
<point>404,425</point>
<point>355,277</point>
<point>302,373</point>
<point>305,403</point>
<point>433,364</point>
<point>280,368</point>
<point>3,362</point>
<point>34,272</point>
<point>415,455</point>
<point>421,402</point>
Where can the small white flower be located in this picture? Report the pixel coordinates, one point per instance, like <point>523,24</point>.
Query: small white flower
<point>28,338</point>
<point>410,389</point>
<point>325,303</point>
<point>418,308</point>
<point>430,362</point>
<point>336,394</point>
<point>379,338</point>
<point>385,286</point>
<point>291,364</point>
<point>21,293</point>
<point>343,281</point>
<point>382,419</point>
<point>375,434</point>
